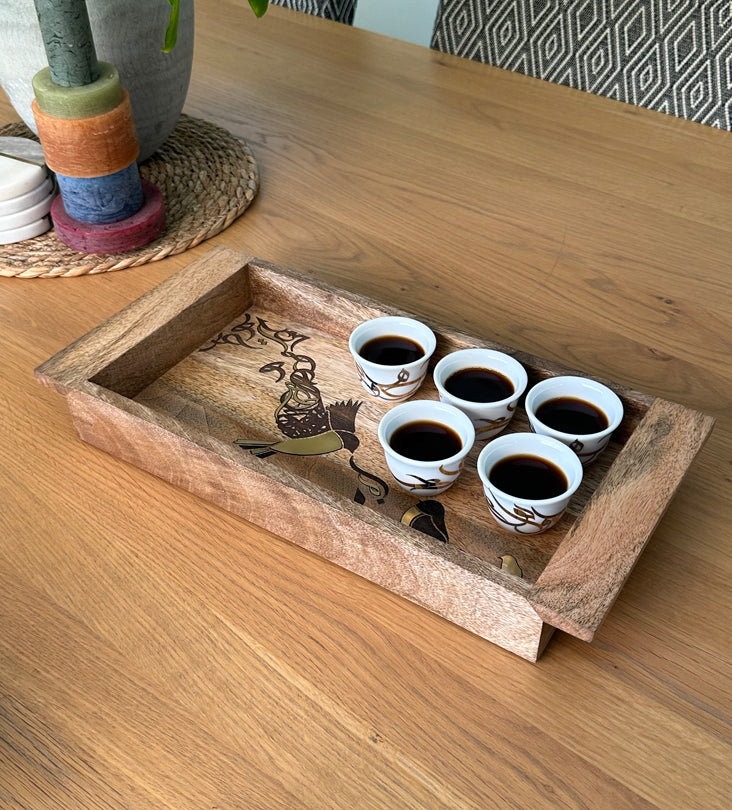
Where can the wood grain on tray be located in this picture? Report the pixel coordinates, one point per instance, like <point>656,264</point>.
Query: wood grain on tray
<point>233,348</point>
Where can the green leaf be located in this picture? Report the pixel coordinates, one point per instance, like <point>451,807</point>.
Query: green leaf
<point>171,34</point>
<point>259,6</point>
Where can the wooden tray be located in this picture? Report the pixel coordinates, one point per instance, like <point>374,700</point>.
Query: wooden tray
<point>235,348</point>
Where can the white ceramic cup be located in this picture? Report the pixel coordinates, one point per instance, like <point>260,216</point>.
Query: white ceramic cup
<point>393,383</point>
<point>588,446</point>
<point>488,418</point>
<point>528,515</point>
<point>433,476</point>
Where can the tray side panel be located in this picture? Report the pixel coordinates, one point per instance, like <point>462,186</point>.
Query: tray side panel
<point>336,312</point>
<point>582,580</point>
<point>153,333</point>
<point>469,600</point>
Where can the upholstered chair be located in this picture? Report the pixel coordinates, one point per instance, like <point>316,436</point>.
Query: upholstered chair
<point>675,57</point>
<point>339,10</point>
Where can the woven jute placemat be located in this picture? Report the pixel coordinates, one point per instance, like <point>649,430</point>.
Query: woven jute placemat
<point>208,178</point>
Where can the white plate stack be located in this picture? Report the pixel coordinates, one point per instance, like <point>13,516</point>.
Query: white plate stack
<point>26,190</point>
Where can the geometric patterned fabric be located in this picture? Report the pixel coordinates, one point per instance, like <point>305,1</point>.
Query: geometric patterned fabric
<point>674,56</point>
<point>339,10</point>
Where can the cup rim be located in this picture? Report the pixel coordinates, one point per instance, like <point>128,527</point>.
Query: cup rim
<point>559,447</point>
<point>428,350</point>
<point>471,403</point>
<point>536,389</point>
<point>433,403</point>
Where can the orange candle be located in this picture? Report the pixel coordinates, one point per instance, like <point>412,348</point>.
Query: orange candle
<point>89,147</point>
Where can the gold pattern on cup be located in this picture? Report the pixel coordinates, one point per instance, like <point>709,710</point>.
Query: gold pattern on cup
<point>386,390</point>
<point>522,516</point>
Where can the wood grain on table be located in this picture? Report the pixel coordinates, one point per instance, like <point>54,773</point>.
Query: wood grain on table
<point>158,652</point>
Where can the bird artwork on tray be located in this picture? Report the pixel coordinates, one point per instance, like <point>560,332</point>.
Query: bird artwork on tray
<point>328,429</point>
<point>308,426</point>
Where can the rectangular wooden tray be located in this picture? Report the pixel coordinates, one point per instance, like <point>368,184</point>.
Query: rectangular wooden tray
<point>235,348</point>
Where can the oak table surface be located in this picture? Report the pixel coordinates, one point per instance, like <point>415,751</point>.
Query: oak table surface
<point>158,652</point>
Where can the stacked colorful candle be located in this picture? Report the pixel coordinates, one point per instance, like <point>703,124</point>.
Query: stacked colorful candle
<point>87,131</point>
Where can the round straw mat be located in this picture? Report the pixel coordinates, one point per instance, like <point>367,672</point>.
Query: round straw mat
<point>208,178</point>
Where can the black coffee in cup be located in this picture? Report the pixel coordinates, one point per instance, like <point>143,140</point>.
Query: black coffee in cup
<point>425,441</point>
<point>391,350</point>
<point>530,477</point>
<point>479,385</point>
<point>572,415</point>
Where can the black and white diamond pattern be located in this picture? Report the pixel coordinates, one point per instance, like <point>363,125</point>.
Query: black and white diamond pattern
<point>670,55</point>
<point>339,10</point>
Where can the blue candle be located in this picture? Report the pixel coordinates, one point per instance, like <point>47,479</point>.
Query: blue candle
<point>100,200</point>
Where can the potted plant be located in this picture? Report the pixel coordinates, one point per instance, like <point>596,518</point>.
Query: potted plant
<point>127,33</point>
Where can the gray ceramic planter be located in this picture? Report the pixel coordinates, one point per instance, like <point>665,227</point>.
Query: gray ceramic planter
<point>127,33</point>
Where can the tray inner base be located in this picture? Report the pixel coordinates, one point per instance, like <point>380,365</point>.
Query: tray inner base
<point>267,378</point>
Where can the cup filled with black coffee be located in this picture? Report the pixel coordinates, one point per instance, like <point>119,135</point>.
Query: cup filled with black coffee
<point>485,384</point>
<point>391,355</point>
<point>578,411</point>
<point>425,443</point>
<point>528,480</point>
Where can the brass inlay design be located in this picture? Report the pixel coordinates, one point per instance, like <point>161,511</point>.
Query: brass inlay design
<point>428,517</point>
<point>510,565</point>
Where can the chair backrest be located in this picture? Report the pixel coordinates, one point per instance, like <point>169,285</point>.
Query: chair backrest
<point>674,56</point>
<point>339,10</point>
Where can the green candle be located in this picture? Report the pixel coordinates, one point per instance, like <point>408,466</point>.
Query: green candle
<point>68,40</point>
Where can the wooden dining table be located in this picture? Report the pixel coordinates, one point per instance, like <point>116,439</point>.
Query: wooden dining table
<point>157,651</point>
